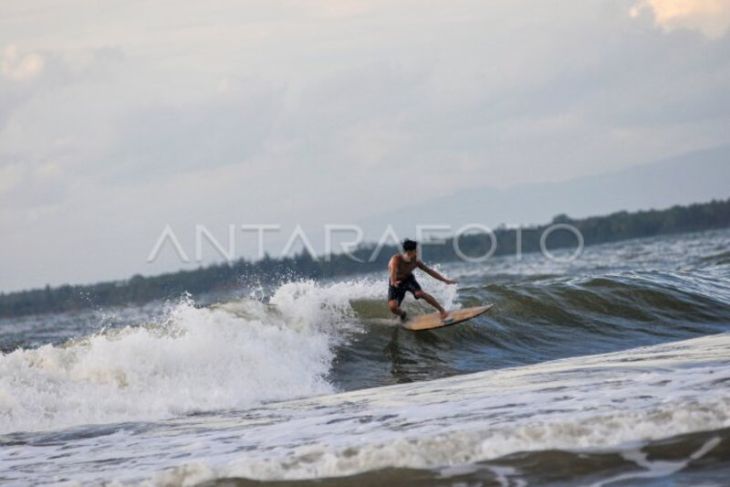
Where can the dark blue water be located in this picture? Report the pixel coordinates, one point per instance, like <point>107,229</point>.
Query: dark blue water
<point>182,391</point>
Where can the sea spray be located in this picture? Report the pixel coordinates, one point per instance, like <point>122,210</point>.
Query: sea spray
<point>228,356</point>
<point>198,359</point>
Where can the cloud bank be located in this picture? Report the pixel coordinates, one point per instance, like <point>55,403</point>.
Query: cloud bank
<point>117,120</point>
<point>710,17</point>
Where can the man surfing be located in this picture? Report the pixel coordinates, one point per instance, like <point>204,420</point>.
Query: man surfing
<point>401,279</point>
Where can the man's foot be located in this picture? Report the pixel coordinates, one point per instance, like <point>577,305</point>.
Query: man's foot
<point>403,317</point>
<point>444,314</point>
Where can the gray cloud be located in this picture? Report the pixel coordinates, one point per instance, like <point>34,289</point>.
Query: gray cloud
<point>148,114</point>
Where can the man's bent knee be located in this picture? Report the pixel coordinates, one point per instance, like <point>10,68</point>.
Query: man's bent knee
<point>393,306</point>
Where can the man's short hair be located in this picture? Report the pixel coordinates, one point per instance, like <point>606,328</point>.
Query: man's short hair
<point>409,245</point>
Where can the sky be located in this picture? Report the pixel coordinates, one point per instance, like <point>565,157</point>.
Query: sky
<point>119,119</point>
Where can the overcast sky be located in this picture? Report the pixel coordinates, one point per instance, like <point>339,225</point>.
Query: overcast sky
<point>119,118</point>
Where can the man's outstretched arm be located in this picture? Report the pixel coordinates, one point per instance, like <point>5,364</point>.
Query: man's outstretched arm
<point>434,274</point>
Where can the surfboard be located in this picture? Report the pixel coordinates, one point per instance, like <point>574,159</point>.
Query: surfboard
<point>433,320</point>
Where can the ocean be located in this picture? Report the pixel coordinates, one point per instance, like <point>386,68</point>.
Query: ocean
<point>612,369</point>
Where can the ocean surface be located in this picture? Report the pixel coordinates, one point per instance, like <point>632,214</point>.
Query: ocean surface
<point>613,369</point>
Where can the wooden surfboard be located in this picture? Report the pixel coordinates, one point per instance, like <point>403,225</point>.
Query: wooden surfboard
<point>433,320</point>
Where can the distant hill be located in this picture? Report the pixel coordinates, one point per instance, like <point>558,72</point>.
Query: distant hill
<point>696,176</point>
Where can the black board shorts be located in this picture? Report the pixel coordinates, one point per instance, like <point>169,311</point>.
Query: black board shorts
<point>409,284</point>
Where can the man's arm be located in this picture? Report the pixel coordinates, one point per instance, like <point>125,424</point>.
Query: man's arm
<point>433,273</point>
<point>393,268</point>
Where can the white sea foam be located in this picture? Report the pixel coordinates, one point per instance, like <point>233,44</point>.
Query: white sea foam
<point>198,359</point>
<point>596,402</point>
<point>607,401</point>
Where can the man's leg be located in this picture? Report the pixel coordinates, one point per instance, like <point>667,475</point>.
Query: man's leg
<point>432,301</point>
<point>395,308</point>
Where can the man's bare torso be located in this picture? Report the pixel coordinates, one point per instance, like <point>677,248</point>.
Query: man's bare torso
<point>404,268</point>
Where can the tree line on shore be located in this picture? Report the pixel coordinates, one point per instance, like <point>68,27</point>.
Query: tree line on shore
<point>228,275</point>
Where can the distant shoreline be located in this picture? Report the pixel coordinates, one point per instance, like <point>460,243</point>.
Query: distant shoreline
<point>139,289</point>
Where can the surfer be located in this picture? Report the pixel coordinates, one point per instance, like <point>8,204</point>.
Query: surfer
<point>401,279</point>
